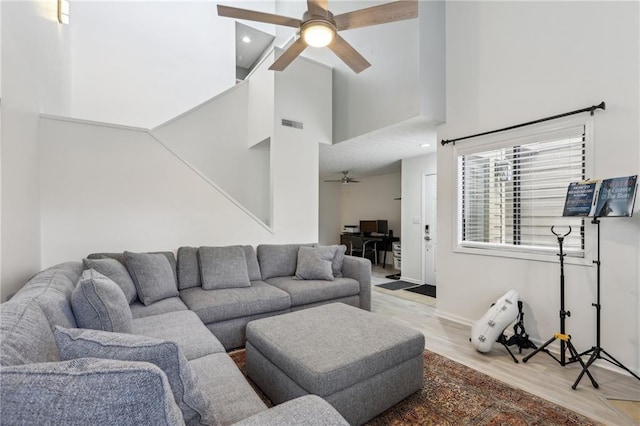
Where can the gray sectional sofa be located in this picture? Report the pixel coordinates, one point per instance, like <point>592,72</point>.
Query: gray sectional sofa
<point>133,338</point>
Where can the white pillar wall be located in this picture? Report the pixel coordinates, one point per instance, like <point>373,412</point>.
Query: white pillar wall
<point>503,69</point>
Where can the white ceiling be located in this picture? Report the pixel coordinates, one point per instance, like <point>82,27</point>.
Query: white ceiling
<point>379,152</point>
<point>248,53</point>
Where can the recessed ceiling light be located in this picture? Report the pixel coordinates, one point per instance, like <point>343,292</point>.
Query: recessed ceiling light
<point>425,145</point>
<point>246,39</point>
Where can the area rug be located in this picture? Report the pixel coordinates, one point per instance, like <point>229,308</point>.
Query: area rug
<point>396,285</point>
<point>426,289</point>
<point>454,394</point>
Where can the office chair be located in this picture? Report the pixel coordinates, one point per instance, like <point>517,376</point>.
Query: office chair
<point>362,247</point>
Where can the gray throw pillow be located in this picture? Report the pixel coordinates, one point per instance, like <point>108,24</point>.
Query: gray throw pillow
<point>339,251</point>
<point>99,303</point>
<point>152,275</point>
<point>223,267</point>
<point>87,391</point>
<point>314,263</point>
<point>76,343</point>
<point>117,272</point>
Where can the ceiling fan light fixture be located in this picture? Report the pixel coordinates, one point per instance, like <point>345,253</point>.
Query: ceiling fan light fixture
<point>318,33</point>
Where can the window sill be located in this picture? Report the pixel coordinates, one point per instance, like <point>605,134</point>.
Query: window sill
<point>524,255</point>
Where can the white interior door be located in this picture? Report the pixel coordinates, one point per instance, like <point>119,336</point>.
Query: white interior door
<point>429,231</point>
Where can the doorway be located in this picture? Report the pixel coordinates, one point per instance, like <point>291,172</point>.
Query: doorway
<point>429,231</point>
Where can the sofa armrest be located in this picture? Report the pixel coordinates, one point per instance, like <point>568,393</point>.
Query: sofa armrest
<point>87,391</point>
<point>359,269</point>
<point>308,410</point>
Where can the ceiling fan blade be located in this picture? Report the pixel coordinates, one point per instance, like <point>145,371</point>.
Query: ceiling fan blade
<point>317,7</point>
<point>334,180</point>
<point>289,55</point>
<point>349,55</point>
<point>252,15</point>
<point>388,12</point>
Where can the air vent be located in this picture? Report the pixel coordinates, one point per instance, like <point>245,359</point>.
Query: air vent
<point>291,123</point>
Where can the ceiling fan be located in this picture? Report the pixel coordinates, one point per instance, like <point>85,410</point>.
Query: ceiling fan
<point>344,179</point>
<point>319,27</point>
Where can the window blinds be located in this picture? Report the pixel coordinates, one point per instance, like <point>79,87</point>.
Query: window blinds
<point>511,196</point>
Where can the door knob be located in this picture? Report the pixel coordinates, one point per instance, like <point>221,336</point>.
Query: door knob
<point>427,238</point>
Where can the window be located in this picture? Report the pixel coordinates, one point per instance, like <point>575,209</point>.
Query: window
<point>512,191</point>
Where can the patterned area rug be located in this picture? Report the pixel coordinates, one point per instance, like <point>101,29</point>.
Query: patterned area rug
<point>458,395</point>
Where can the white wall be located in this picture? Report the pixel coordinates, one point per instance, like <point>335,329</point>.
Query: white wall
<point>413,170</point>
<point>432,59</point>
<point>330,216</point>
<point>141,63</point>
<point>213,139</point>
<point>35,79</point>
<point>561,56</point>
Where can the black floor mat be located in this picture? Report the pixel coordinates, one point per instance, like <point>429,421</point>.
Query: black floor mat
<point>426,289</point>
<point>396,285</point>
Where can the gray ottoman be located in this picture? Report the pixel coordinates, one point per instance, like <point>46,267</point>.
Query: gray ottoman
<point>360,363</point>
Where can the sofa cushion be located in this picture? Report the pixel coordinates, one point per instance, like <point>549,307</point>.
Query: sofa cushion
<point>229,303</point>
<point>183,328</point>
<point>314,263</point>
<point>77,343</point>
<point>338,259</point>
<point>100,304</point>
<point>87,391</point>
<point>25,334</point>
<point>171,304</point>
<point>223,383</point>
<point>121,258</point>
<point>308,410</point>
<point>303,292</point>
<point>152,275</point>
<point>188,268</point>
<point>51,289</point>
<point>278,260</point>
<point>117,272</point>
<point>223,267</point>
<point>253,267</point>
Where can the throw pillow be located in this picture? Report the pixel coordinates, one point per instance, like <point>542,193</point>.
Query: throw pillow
<point>223,267</point>
<point>339,251</point>
<point>314,263</point>
<point>87,391</point>
<point>117,272</point>
<point>152,275</point>
<point>98,303</point>
<point>77,343</point>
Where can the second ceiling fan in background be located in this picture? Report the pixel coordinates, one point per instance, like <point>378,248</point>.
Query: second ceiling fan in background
<point>319,27</point>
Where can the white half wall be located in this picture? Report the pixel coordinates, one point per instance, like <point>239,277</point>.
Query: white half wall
<point>110,188</point>
<point>512,62</point>
<point>413,170</point>
<point>35,79</point>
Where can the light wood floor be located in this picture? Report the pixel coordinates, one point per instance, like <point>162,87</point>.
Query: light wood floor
<point>541,375</point>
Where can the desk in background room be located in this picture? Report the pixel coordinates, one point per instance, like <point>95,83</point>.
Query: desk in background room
<point>383,243</point>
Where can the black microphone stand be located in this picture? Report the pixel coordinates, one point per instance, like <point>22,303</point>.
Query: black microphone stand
<point>597,351</point>
<point>565,339</point>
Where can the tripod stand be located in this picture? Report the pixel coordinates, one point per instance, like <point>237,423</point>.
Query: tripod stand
<point>597,351</point>
<point>565,339</point>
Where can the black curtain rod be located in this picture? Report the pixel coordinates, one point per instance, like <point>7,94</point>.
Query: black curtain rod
<point>590,109</point>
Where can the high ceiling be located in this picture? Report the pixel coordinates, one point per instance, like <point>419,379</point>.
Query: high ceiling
<point>379,152</point>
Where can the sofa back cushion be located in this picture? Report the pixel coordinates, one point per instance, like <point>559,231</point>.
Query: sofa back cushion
<point>76,343</point>
<point>87,391</point>
<point>189,266</point>
<point>25,334</point>
<point>223,267</point>
<point>278,260</point>
<point>117,272</point>
<point>153,276</point>
<point>120,257</point>
<point>99,303</point>
<point>51,290</point>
